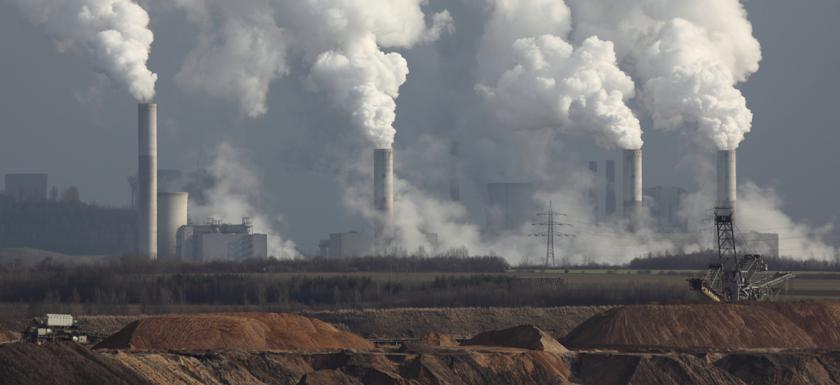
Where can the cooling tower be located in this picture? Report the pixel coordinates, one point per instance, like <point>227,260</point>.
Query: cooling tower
<point>727,179</point>
<point>172,214</point>
<point>609,194</point>
<point>147,181</point>
<point>383,185</point>
<point>632,180</point>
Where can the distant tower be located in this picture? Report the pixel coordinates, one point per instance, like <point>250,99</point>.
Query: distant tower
<point>593,192</point>
<point>454,185</point>
<point>609,196</point>
<point>383,188</point>
<point>147,181</point>
<point>550,226</point>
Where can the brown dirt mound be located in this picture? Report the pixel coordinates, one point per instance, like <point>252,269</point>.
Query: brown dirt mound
<point>8,336</point>
<point>244,331</point>
<point>438,339</point>
<point>714,327</point>
<point>523,337</point>
<point>820,319</point>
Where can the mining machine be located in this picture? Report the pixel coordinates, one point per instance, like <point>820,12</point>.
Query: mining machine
<point>737,277</point>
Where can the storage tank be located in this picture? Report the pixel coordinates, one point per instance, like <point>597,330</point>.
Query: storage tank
<point>172,214</point>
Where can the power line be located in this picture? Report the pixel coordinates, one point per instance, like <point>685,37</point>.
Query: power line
<point>550,224</point>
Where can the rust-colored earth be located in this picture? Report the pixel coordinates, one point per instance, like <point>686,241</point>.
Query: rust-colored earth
<point>235,331</point>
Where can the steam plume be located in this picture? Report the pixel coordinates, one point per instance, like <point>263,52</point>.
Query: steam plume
<point>233,197</point>
<point>550,83</point>
<point>689,56</point>
<point>341,41</point>
<point>113,34</point>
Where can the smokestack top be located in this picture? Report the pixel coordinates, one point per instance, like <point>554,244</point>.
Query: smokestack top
<point>727,178</point>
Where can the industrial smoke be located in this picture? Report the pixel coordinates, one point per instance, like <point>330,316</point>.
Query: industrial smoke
<point>342,43</point>
<point>546,82</point>
<point>688,56</point>
<point>113,34</point>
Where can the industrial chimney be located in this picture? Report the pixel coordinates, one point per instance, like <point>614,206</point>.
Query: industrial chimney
<point>727,179</point>
<point>173,213</point>
<point>147,181</point>
<point>632,179</point>
<point>609,195</point>
<point>383,186</point>
<point>593,191</point>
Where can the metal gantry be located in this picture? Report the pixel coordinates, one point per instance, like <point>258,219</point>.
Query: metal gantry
<point>737,278</point>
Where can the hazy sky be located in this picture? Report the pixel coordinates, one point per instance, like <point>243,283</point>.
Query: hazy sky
<point>62,118</point>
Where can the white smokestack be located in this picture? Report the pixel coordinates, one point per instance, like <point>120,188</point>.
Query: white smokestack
<point>147,181</point>
<point>609,195</point>
<point>727,186</point>
<point>173,213</point>
<point>383,185</point>
<point>632,179</point>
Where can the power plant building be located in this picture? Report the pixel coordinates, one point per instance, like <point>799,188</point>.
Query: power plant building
<point>664,206</point>
<point>346,245</point>
<point>26,187</point>
<point>220,242</point>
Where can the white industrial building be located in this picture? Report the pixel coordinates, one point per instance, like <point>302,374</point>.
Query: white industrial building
<point>215,241</point>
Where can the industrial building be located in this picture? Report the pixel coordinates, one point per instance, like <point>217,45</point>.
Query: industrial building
<point>663,204</point>
<point>509,206</point>
<point>216,241</point>
<point>26,187</point>
<point>345,245</point>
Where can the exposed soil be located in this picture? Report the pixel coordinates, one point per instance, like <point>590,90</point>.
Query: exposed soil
<point>761,344</point>
<point>458,322</point>
<point>716,327</point>
<point>522,337</point>
<point>242,331</point>
<point>7,336</point>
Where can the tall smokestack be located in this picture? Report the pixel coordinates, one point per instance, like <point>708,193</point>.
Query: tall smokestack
<point>609,204</point>
<point>593,191</point>
<point>454,183</point>
<point>727,186</point>
<point>632,179</point>
<point>173,210</point>
<point>383,186</point>
<point>147,181</point>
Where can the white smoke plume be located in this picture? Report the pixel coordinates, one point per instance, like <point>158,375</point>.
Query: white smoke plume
<point>248,44</point>
<point>240,51</point>
<point>113,34</point>
<point>234,196</point>
<point>549,83</point>
<point>688,56</point>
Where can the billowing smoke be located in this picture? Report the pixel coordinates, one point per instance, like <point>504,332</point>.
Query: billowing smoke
<point>688,55</point>
<point>549,83</point>
<point>247,45</point>
<point>240,51</point>
<point>235,195</point>
<point>113,34</point>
